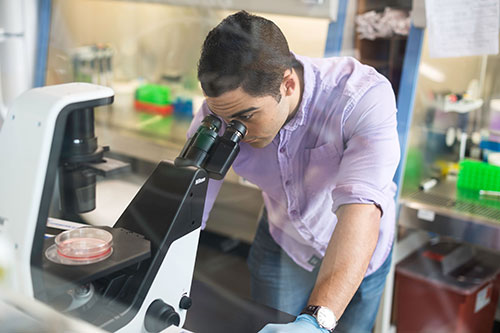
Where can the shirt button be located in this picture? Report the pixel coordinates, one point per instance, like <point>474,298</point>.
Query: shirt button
<point>294,212</point>
<point>287,183</point>
<point>282,150</point>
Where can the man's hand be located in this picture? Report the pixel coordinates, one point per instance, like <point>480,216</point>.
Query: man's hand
<point>303,324</point>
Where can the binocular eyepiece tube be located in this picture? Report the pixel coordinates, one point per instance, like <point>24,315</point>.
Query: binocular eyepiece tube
<point>206,149</point>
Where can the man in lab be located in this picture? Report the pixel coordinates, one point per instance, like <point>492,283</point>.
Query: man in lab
<point>322,145</point>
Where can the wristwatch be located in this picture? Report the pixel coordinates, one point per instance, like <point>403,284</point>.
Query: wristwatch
<point>325,317</point>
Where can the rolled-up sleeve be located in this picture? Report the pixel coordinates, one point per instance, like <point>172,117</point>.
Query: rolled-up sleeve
<point>213,185</point>
<point>371,150</point>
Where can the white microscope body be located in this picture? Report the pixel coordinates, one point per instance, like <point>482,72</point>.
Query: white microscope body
<point>144,294</point>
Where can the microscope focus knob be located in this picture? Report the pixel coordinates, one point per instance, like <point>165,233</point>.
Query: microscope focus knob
<point>185,302</point>
<point>159,316</point>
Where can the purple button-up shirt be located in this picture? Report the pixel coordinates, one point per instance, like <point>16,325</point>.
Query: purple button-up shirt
<point>341,147</point>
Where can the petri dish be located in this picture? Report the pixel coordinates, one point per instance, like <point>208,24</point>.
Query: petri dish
<point>81,246</point>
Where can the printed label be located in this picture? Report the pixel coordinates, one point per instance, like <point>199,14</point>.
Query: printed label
<point>427,215</point>
<point>199,181</point>
<point>483,298</point>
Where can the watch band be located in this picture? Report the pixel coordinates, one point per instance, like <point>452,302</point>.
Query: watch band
<point>312,310</point>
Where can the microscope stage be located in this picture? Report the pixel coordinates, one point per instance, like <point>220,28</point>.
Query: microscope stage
<point>129,248</point>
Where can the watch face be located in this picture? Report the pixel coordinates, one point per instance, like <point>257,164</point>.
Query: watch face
<point>326,318</point>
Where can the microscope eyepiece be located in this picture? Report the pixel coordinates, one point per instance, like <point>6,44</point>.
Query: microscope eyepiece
<point>235,131</point>
<point>205,149</point>
<point>211,122</point>
<point>196,149</point>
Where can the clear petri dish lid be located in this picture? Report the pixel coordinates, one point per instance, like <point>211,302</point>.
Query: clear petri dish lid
<point>81,246</point>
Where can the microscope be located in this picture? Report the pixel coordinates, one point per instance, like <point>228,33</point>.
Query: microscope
<point>142,284</point>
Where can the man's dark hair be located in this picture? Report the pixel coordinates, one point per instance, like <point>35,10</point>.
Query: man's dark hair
<point>245,51</point>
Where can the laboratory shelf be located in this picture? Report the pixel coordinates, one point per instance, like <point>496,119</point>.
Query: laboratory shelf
<point>443,210</point>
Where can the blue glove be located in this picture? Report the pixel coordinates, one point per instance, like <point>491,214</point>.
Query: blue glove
<point>302,324</point>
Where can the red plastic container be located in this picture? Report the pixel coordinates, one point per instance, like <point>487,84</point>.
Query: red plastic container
<point>427,300</point>
<point>163,110</point>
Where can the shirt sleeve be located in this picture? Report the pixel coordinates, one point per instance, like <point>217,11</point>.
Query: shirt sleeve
<point>371,150</point>
<point>213,185</point>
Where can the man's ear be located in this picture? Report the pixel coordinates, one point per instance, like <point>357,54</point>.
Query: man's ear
<point>289,82</point>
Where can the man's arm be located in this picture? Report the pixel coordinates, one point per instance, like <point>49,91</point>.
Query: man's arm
<point>347,256</point>
<point>360,197</point>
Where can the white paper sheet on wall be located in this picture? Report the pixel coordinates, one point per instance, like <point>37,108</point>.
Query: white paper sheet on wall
<point>460,28</point>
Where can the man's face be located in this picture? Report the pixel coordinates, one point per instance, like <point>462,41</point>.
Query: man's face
<point>263,116</point>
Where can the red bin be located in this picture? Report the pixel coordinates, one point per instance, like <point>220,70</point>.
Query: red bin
<point>444,288</point>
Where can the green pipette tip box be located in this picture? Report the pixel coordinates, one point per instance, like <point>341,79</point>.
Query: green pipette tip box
<point>477,175</point>
<point>153,93</point>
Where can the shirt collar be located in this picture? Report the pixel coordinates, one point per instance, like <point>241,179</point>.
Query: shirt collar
<point>300,117</point>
